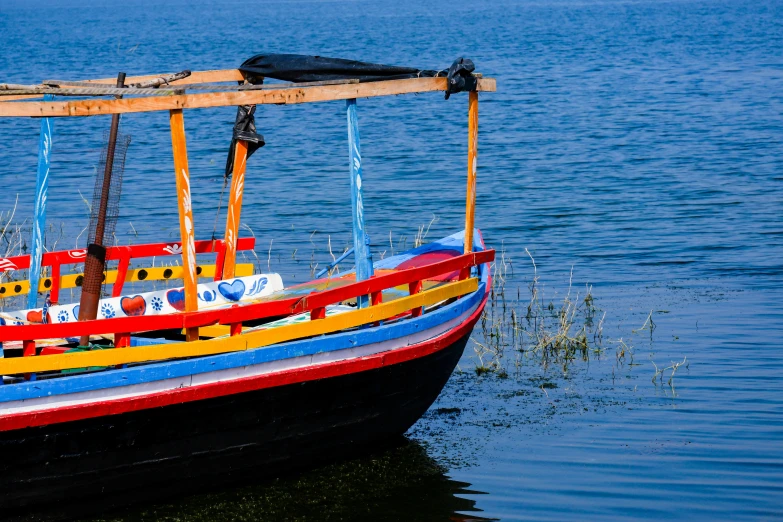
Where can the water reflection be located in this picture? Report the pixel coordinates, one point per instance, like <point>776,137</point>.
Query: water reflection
<point>400,483</point>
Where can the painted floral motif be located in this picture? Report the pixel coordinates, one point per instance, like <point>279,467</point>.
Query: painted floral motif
<point>258,286</point>
<point>62,316</point>
<point>107,310</point>
<point>157,304</point>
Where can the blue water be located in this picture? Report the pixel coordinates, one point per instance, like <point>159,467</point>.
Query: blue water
<point>639,142</point>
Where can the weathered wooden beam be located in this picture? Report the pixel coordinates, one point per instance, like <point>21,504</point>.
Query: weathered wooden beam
<point>225,99</point>
<point>214,76</point>
<point>185,206</point>
<point>470,203</point>
<point>224,75</point>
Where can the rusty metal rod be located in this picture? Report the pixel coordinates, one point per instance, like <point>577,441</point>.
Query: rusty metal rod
<point>95,261</point>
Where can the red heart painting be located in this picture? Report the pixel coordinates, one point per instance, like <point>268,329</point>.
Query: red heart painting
<point>36,316</point>
<point>176,298</point>
<point>133,306</point>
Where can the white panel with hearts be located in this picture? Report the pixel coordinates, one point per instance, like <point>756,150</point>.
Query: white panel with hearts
<point>210,295</point>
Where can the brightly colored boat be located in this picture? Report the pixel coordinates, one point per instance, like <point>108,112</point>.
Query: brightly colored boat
<point>240,372</point>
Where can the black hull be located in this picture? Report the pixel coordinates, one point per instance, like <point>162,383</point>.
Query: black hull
<point>262,433</point>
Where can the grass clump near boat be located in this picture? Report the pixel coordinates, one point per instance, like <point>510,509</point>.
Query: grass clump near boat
<point>534,327</point>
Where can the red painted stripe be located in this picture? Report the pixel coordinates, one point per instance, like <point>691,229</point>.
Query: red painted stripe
<point>400,277</point>
<point>219,389</point>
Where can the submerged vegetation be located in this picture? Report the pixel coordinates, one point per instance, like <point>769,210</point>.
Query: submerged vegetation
<point>536,326</point>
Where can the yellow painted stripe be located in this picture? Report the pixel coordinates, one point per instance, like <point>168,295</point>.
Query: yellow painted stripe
<point>256,339</point>
<point>133,276</point>
<point>215,330</point>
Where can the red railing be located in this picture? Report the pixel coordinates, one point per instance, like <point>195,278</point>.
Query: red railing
<point>315,303</point>
<point>123,254</point>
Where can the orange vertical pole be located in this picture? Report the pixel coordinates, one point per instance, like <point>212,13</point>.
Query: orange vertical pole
<point>184,202</point>
<point>470,204</point>
<point>234,209</point>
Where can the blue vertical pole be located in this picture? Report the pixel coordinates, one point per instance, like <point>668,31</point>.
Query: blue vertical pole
<point>361,242</point>
<point>39,219</point>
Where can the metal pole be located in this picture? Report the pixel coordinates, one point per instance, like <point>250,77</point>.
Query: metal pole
<point>95,261</point>
<point>361,242</point>
<point>39,220</point>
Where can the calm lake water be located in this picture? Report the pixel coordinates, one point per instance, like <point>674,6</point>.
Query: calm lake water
<point>638,143</point>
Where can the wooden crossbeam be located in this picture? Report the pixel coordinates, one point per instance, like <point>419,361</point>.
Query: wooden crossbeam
<point>245,341</point>
<point>216,76</point>
<point>226,99</point>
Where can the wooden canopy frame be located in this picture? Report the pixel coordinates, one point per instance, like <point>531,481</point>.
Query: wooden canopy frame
<point>148,100</point>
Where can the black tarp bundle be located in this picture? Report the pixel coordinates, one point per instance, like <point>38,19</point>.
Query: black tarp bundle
<point>299,68</point>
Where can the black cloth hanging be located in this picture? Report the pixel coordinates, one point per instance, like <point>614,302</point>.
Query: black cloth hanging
<point>244,129</point>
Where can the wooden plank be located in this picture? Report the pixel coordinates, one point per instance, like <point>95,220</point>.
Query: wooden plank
<point>20,97</point>
<point>484,84</point>
<point>245,341</point>
<point>361,242</point>
<point>185,206</point>
<point>213,76</point>
<point>470,203</point>
<point>234,208</point>
<point>224,99</point>
<point>39,216</point>
<point>216,76</point>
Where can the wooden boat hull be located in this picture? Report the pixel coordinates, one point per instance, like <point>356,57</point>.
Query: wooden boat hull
<point>356,404</point>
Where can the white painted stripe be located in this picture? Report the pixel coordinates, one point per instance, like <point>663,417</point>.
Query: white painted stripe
<point>228,375</point>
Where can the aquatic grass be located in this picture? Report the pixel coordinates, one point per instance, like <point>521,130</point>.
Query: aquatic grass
<point>421,235</point>
<point>659,372</point>
<point>534,327</point>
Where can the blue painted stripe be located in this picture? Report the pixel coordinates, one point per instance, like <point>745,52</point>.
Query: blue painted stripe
<point>39,219</point>
<point>172,369</point>
<point>361,242</point>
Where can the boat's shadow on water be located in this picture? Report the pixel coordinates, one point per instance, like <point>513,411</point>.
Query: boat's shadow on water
<point>398,482</point>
